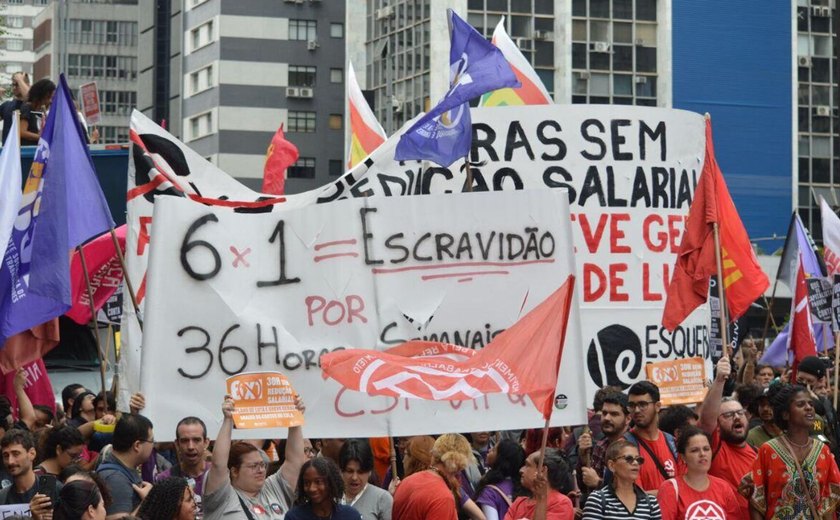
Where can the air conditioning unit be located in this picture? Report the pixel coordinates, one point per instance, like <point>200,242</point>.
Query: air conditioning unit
<point>583,74</point>
<point>397,104</point>
<point>640,42</point>
<point>385,12</point>
<point>601,47</point>
<point>312,45</point>
<point>524,44</point>
<point>640,79</point>
<point>306,92</point>
<point>542,35</point>
<point>292,92</point>
<point>804,61</point>
<point>822,111</point>
<point>826,12</point>
<point>820,11</point>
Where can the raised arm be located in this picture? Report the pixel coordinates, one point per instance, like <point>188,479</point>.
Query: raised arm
<point>26,412</point>
<point>711,404</point>
<point>219,473</point>
<point>295,456</point>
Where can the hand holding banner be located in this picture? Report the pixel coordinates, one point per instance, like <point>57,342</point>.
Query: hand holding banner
<point>263,400</point>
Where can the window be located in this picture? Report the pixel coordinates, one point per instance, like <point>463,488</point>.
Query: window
<point>336,75</point>
<point>336,121</point>
<point>336,168</point>
<point>14,44</point>
<point>117,102</point>
<point>14,22</point>
<point>301,121</point>
<point>98,66</point>
<point>195,3</point>
<point>11,68</point>
<point>201,125</point>
<point>303,30</point>
<point>113,134</point>
<point>15,2</point>
<point>201,35</point>
<point>102,32</point>
<point>301,76</point>
<point>304,168</point>
<point>336,30</point>
<point>201,80</point>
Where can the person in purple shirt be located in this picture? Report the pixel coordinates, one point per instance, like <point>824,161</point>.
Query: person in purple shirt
<point>500,485</point>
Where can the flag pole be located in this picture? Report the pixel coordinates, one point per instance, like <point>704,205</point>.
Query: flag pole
<point>836,366</point>
<point>469,173</point>
<point>724,322</point>
<point>769,313</point>
<point>102,358</point>
<point>128,284</point>
<point>393,458</point>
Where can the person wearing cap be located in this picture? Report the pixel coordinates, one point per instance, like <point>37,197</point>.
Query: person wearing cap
<point>811,373</point>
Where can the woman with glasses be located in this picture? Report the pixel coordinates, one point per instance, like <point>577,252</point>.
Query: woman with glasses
<point>60,448</point>
<point>170,499</point>
<point>795,475</point>
<point>696,490</point>
<point>622,498</point>
<point>237,484</point>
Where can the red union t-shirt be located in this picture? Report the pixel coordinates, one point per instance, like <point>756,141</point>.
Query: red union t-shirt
<point>559,507</point>
<point>717,502</point>
<point>730,464</point>
<point>650,478</point>
<point>424,495</point>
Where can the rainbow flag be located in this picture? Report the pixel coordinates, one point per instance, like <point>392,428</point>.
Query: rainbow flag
<point>532,91</point>
<point>366,134</point>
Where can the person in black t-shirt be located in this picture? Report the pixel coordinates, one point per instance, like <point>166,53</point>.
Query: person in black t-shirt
<point>20,90</point>
<point>34,112</point>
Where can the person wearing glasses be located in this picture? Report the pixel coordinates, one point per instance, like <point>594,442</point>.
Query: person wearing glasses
<point>725,420</point>
<point>658,447</point>
<point>61,447</point>
<point>131,446</point>
<point>237,486</point>
<point>621,498</point>
<point>696,494</point>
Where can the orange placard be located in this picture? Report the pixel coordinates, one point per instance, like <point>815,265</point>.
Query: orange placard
<point>680,381</point>
<point>263,400</point>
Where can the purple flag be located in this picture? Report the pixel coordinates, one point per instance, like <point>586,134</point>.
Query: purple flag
<point>476,66</point>
<point>776,353</point>
<point>62,207</point>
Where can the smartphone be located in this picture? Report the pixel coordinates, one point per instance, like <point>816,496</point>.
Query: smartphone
<point>47,486</point>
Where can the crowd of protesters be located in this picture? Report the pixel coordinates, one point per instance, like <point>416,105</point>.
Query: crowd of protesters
<point>761,445</point>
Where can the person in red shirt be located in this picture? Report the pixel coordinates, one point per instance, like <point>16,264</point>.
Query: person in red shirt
<point>696,494</point>
<point>726,421</point>
<point>656,446</point>
<point>546,485</point>
<point>431,493</point>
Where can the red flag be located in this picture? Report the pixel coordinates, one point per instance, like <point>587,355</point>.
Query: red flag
<point>743,279</point>
<point>29,346</point>
<point>801,339</point>
<point>524,359</point>
<point>105,274</point>
<point>280,155</point>
<point>38,386</point>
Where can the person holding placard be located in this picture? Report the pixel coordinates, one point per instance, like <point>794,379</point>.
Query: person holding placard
<point>237,485</point>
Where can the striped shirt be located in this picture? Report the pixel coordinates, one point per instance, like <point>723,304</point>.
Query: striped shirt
<point>605,505</point>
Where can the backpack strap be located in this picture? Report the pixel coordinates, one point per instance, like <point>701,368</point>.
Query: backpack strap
<point>502,493</point>
<point>653,457</point>
<point>245,507</point>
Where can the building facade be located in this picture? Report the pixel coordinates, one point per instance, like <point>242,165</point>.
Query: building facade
<point>92,41</point>
<point>238,70</point>
<point>17,41</point>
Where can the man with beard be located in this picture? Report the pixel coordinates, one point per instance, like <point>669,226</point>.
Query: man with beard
<point>614,421</point>
<point>768,429</point>
<point>657,447</point>
<point>191,444</point>
<point>18,449</point>
<point>726,421</point>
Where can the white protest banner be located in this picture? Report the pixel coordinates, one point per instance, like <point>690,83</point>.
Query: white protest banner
<point>630,172</point>
<point>231,293</point>
<point>89,96</point>
<point>14,509</point>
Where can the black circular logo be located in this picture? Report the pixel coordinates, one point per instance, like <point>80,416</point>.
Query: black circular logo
<point>614,357</point>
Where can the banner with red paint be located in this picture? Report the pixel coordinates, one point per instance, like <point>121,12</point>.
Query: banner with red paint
<point>104,271</point>
<point>231,293</point>
<point>630,175</point>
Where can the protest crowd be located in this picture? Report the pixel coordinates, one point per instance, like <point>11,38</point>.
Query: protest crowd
<point>762,443</point>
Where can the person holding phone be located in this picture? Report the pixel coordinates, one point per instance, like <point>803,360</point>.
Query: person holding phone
<point>18,449</point>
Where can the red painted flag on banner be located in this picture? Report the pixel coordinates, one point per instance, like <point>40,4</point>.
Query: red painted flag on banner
<point>105,274</point>
<point>522,360</point>
<point>743,279</point>
<point>801,339</point>
<point>280,155</point>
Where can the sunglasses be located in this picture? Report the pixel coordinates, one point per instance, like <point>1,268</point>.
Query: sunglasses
<point>630,459</point>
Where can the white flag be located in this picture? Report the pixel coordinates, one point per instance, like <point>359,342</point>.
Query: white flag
<point>11,177</point>
<point>831,238</point>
